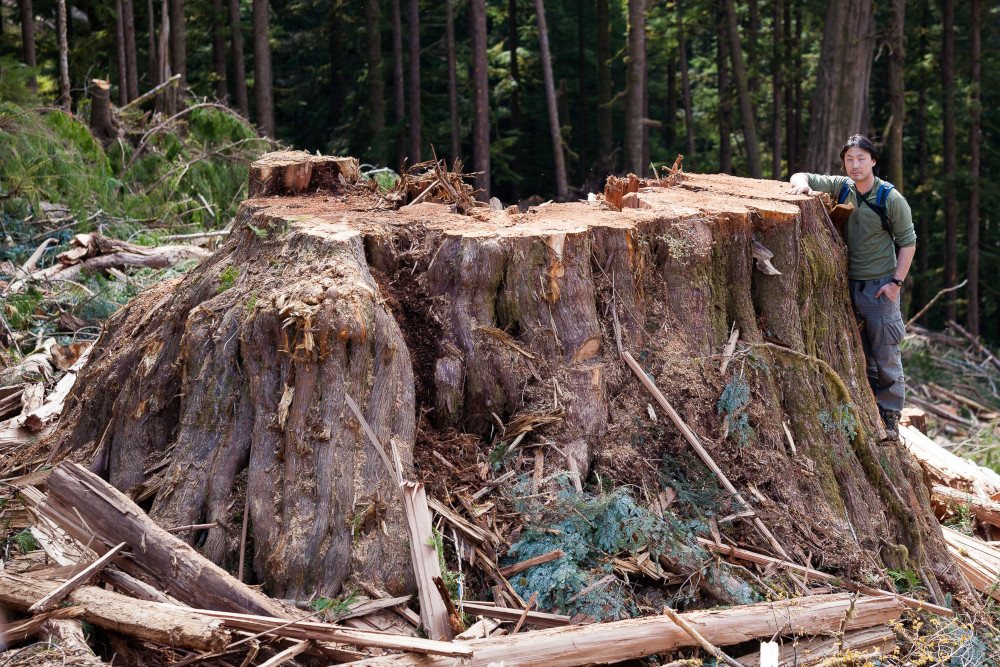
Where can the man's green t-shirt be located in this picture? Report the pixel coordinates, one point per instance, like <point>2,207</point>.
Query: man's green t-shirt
<point>873,254</point>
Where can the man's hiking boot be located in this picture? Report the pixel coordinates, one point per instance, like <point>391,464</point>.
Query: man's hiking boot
<point>891,420</point>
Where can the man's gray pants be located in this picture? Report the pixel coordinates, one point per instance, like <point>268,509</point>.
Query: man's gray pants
<point>881,335</point>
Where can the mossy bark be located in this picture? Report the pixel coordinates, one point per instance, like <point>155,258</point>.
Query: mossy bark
<point>245,363</point>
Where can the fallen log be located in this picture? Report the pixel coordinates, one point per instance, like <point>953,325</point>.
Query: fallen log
<point>986,511</point>
<point>151,621</point>
<point>603,643</point>
<point>807,652</point>
<point>948,469</point>
<point>67,635</point>
<point>328,632</point>
<point>91,510</point>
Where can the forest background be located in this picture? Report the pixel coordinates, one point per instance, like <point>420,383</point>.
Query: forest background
<point>759,88</point>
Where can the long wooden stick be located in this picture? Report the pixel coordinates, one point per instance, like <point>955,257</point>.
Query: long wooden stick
<point>761,559</point>
<point>53,598</point>
<point>516,568</point>
<point>931,302</point>
<point>288,654</point>
<point>702,453</point>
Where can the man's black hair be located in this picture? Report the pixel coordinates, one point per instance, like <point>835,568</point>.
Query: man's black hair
<point>862,142</point>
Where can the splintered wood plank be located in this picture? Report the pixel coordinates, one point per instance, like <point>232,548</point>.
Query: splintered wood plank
<point>433,613</point>
<point>53,598</point>
<point>602,643</point>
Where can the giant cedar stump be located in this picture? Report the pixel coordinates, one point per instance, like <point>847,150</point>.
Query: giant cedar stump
<point>244,365</point>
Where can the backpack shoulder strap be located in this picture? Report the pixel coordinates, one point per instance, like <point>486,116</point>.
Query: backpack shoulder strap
<point>883,193</point>
<point>842,195</point>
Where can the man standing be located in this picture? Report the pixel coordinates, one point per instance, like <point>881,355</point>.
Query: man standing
<point>879,225</point>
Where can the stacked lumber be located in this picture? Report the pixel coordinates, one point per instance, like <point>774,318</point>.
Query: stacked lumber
<point>979,562</point>
<point>163,603</point>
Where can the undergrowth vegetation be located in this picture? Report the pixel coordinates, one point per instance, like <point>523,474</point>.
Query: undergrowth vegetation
<point>162,176</point>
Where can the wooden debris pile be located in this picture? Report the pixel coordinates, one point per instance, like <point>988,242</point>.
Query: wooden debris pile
<point>31,398</point>
<point>431,182</point>
<point>624,192</point>
<point>155,600</point>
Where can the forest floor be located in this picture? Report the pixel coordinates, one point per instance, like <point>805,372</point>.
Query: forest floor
<point>187,184</point>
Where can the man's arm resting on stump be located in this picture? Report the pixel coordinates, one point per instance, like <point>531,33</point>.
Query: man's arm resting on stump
<point>800,184</point>
<point>903,261</point>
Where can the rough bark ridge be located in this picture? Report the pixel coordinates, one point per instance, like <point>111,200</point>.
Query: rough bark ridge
<point>244,365</point>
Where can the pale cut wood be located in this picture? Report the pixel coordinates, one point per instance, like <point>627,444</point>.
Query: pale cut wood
<point>805,652</point>
<point>468,529</point>
<point>433,613</point>
<point>173,565</point>
<point>329,632</point>
<point>987,511</point>
<point>289,653</point>
<point>948,469</point>
<point>67,634</point>
<point>761,559</point>
<point>978,561</point>
<point>400,610</point>
<point>18,631</point>
<point>695,442</point>
<point>603,643</point>
<point>538,618</point>
<point>52,599</point>
<point>151,621</point>
<point>517,568</point>
<point>479,630</point>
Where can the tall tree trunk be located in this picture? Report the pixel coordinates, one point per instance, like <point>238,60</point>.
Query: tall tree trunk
<point>178,49</point>
<point>923,217</point>
<point>239,62</point>
<point>28,40</point>
<point>515,96</point>
<point>800,135</point>
<point>972,230</point>
<point>263,98</point>
<point>746,104</point>
<point>219,49</point>
<point>376,85</point>
<point>753,20</point>
<point>686,87</point>
<point>725,100</point>
<point>456,147</point>
<point>790,146</point>
<point>670,113</point>
<point>413,25</point>
<point>398,83</point>
<point>562,187</point>
<point>120,52</point>
<point>154,56</point>
<point>777,89</point>
<point>950,198</point>
<point>635,113</point>
<point>337,64</point>
<point>64,98</point>
<point>605,141</point>
<point>480,98</point>
<point>840,101</point>
<point>165,100</point>
<point>131,64</point>
<point>581,101</point>
<point>897,94</point>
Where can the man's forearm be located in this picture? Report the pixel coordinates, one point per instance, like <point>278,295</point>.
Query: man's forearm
<point>903,261</point>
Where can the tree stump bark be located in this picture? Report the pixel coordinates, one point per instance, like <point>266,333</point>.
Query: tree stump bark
<point>325,291</point>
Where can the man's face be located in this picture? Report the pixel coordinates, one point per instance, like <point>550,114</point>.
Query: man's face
<point>858,163</point>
